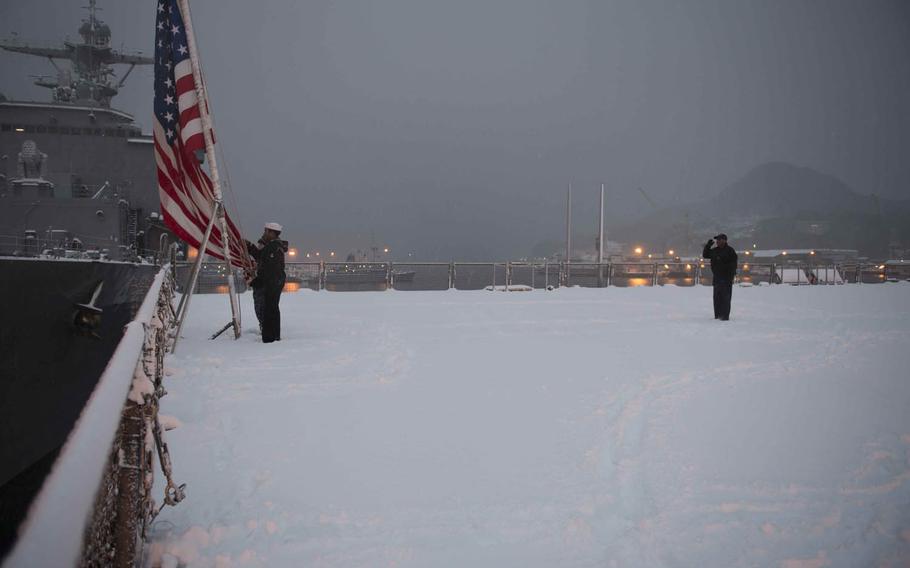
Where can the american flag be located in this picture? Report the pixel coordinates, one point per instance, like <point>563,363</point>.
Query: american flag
<point>186,191</point>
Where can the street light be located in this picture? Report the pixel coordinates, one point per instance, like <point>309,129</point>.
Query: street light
<point>671,252</point>
<point>386,250</point>
<point>637,250</point>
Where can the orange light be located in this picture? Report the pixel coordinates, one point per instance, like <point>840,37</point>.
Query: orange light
<point>332,253</point>
<point>192,253</point>
<point>671,252</point>
<point>292,286</point>
<point>745,267</point>
<point>784,253</point>
<point>638,250</point>
<point>292,252</point>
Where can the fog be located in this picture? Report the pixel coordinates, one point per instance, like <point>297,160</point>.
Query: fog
<point>450,129</point>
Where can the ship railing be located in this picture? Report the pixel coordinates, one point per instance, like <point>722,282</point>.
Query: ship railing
<point>425,276</point>
<point>63,244</point>
<point>95,506</point>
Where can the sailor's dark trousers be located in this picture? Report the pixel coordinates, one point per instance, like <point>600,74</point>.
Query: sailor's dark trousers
<point>258,302</point>
<point>271,315</point>
<point>723,294</point>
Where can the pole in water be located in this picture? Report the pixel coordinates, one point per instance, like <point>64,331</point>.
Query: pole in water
<point>600,240</point>
<point>569,222</point>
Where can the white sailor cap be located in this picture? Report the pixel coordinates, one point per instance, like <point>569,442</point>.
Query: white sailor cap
<point>273,226</point>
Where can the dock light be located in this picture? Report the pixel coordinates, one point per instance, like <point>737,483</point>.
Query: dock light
<point>649,255</point>
<point>667,266</point>
<point>881,267</point>
<point>308,255</point>
<point>671,252</point>
<point>292,252</point>
<point>812,252</point>
<point>332,253</point>
<point>688,267</point>
<point>20,129</point>
<point>748,253</point>
<point>386,249</point>
<point>317,253</point>
<point>745,267</point>
<point>784,253</point>
<point>637,250</point>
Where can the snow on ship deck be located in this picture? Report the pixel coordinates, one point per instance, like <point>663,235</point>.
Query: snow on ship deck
<point>617,427</point>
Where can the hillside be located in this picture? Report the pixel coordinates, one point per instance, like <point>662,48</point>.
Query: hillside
<point>779,189</point>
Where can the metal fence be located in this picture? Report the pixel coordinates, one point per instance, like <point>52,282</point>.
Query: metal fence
<point>424,276</point>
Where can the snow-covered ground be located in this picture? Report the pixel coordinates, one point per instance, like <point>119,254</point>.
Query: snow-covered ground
<point>580,427</point>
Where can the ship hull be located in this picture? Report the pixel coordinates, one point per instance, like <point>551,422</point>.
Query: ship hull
<point>49,366</point>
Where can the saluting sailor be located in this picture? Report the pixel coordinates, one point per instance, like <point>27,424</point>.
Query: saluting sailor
<point>269,280</point>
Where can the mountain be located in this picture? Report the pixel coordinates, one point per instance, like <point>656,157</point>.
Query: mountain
<point>781,205</point>
<point>778,189</point>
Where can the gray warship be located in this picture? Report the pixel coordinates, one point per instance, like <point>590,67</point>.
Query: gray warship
<point>79,210</point>
<point>75,173</point>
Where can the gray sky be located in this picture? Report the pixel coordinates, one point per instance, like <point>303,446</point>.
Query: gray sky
<point>451,128</point>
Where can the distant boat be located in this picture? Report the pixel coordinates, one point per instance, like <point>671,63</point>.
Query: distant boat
<point>365,273</point>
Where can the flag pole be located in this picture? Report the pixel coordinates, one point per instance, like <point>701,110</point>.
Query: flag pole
<point>213,164</point>
<point>184,306</point>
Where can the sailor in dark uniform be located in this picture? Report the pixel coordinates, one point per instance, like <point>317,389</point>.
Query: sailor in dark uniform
<point>269,280</point>
<point>723,270</point>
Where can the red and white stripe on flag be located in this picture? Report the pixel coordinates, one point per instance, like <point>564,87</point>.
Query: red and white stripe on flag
<point>186,191</point>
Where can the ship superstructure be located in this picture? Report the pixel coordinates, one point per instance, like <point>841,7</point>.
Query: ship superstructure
<point>74,167</point>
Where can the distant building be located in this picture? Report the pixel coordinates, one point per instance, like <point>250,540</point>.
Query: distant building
<point>800,256</point>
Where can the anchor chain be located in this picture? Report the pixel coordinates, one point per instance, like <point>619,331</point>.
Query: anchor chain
<point>158,337</point>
